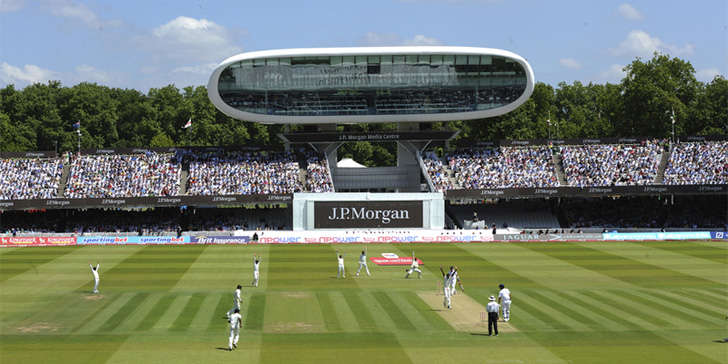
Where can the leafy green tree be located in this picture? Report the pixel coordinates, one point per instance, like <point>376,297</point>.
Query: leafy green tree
<point>651,91</point>
<point>708,115</point>
<point>136,124</point>
<point>95,108</point>
<point>161,140</point>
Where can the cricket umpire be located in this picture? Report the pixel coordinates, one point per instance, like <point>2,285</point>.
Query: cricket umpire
<point>493,307</point>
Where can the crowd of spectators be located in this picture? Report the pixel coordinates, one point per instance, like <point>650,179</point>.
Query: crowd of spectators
<point>611,164</point>
<point>504,167</point>
<point>697,163</point>
<point>613,213</point>
<point>135,175</point>
<point>318,176</point>
<point>645,212</point>
<point>243,173</point>
<point>436,170</point>
<point>29,178</point>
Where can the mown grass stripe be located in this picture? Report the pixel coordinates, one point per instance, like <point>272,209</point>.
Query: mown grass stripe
<point>616,309</point>
<point>550,322</point>
<point>156,313</point>
<point>433,318</point>
<point>256,312</point>
<point>669,308</point>
<point>626,307</point>
<point>204,314</point>
<point>606,318</point>
<point>698,303</point>
<point>346,318</point>
<point>133,320</point>
<point>711,253</point>
<point>20,261</point>
<point>329,314</point>
<point>108,301</point>
<point>553,315</point>
<point>622,268</point>
<point>222,307</point>
<point>718,294</point>
<point>393,311</point>
<point>123,313</point>
<point>182,323</point>
<point>363,316</point>
<point>566,310</point>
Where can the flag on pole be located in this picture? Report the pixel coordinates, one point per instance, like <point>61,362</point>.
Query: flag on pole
<point>189,124</point>
<point>77,125</point>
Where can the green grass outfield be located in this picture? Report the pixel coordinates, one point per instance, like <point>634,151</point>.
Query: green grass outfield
<point>607,302</point>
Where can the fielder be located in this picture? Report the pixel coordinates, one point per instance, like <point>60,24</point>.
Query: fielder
<point>363,262</point>
<point>236,303</point>
<point>342,272</point>
<point>236,321</point>
<point>414,268</point>
<point>95,271</point>
<point>492,309</point>
<point>256,269</point>
<point>505,294</point>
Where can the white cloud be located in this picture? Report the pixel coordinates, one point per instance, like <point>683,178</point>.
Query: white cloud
<point>11,5</point>
<point>421,40</point>
<point>614,74</point>
<point>640,44</point>
<point>198,69</point>
<point>628,12</point>
<point>22,77</point>
<point>570,63</point>
<point>707,75</point>
<point>78,13</point>
<point>92,74</point>
<point>188,41</point>
<point>374,39</point>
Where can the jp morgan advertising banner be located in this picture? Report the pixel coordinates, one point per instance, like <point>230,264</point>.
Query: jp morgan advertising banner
<point>367,214</point>
<point>645,190</point>
<point>158,201</point>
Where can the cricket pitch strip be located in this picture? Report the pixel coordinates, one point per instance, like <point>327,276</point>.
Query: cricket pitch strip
<point>465,315</point>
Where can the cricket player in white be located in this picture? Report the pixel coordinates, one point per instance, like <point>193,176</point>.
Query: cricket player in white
<point>236,303</point>
<point>453,280</point>
<point>446,283</point>
<point>363,262</point>
<point>342,272</point>
<point>505,294</point>
<point>236,321</point>
<point>414,268</point>
<point>256,269</point>
<point>95,271</point>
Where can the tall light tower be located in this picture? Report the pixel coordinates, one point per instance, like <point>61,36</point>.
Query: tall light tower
<point>672,119</point>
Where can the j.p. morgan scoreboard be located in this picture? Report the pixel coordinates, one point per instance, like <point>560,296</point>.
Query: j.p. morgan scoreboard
<point>368,211</point>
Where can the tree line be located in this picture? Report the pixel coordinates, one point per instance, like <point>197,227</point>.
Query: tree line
<point>652,94</point>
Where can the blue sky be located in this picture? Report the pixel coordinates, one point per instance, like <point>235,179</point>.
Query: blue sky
<point>151,44</point>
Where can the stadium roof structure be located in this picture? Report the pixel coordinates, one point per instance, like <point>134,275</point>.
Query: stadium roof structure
<point>370,84</point>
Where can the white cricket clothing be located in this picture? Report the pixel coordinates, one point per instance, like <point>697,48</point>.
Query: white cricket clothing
<point>342,271</point>
<point>492,306</point>
<point>414,268</point>
<point>236,302</point>
<point>505,295</point>
<point>96,276</point>
<point>256,271</point>
<point>235,320</point>
<point>363,263</point>
<point>453,282</point>
<point>446,291</point>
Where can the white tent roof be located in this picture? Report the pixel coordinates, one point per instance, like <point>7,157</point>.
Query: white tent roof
<point>349,163</point>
